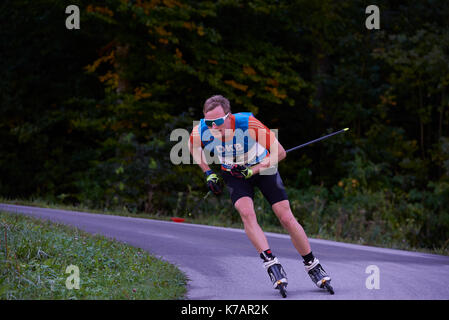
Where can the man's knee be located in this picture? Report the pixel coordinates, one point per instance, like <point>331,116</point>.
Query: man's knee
<point>288,220</point>
<point>248,216</point>
<point>284,213</point>
<point>245,207</point>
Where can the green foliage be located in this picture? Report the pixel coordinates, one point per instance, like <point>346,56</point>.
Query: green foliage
<point>384,218</point>
<point>86,115</point>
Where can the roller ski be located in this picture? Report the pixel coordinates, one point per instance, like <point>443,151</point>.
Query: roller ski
<point>318,275</point>
<point>277,275</point>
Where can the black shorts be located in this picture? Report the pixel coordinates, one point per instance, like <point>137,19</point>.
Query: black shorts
<point>271,187</point>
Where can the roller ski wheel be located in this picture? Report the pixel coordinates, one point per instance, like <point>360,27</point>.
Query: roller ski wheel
<point>277,276</point>
<point>318,275</point>
<point>283,290</point>
<point>328,287</point>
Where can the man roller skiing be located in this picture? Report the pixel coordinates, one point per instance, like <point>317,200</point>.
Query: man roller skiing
<point>246,148</point>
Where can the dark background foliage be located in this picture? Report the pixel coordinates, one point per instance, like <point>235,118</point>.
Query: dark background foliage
<point>86,115</point>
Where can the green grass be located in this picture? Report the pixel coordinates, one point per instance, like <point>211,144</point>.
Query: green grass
<point>35,254</point>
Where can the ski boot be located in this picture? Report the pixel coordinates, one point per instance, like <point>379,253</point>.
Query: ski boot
<point>277,275</point>
<point>318,275</point>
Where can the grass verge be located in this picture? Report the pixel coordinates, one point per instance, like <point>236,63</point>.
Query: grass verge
<point>35,255</point>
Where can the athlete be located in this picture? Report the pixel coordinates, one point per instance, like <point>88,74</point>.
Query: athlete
<point>247,150</point>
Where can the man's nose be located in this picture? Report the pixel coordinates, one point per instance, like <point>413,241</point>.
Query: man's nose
<point>214,126</point>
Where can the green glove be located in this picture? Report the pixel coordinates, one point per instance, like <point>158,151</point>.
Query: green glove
<point>213,182</point>
<point>240,171</point>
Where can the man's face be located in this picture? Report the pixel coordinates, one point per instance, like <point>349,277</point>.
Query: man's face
<point>215,114</point>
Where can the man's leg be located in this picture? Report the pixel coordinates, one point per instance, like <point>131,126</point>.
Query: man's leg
<point>274,191</point>
<point>288,221</point>
<point>301,243</point>
<point>245,207</point>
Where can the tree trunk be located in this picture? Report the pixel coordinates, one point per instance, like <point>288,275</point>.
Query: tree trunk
<point>121,54</point>
<point>148,204</point>
<point>421,124</point>
<point>440,125</point>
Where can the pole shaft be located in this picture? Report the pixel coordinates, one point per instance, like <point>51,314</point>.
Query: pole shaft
<point>316,140</point>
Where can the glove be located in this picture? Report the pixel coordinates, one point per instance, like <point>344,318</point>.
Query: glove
<point>213,182</point>
<point>241,172</point>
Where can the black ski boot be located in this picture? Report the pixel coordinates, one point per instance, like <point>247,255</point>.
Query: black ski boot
<point>318,275</point>
<point>277,275</point>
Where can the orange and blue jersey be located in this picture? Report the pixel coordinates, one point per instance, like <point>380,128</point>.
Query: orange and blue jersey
<point>249,145</point>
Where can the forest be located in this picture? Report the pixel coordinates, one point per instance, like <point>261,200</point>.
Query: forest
<point>86,114</point>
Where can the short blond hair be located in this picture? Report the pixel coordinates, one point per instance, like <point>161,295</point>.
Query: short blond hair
<point>216,101</point>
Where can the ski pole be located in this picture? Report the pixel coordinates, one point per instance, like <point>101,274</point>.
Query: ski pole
<point>199,203</point>
<point>316,140</point>
<point>287,151</point>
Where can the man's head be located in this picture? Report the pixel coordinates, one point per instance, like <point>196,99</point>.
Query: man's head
<point>217,101</point>
<point>218,107</point>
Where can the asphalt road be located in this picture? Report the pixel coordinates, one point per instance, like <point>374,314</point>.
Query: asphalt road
<point>222,264</point>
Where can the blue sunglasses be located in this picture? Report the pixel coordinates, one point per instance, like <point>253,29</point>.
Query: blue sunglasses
<point>218,121</point>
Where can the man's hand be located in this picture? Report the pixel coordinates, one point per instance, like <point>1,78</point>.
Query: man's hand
<point>241,172</point>
<point>213,182</point>
<point>261,166</point>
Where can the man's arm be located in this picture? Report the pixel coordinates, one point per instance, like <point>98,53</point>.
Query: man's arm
<point>196,150</point>
<point>266,138</point>
<point>195,147</point>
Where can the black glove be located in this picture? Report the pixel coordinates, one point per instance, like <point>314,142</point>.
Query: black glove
<point>241,172</point>
<point>213,182</point>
